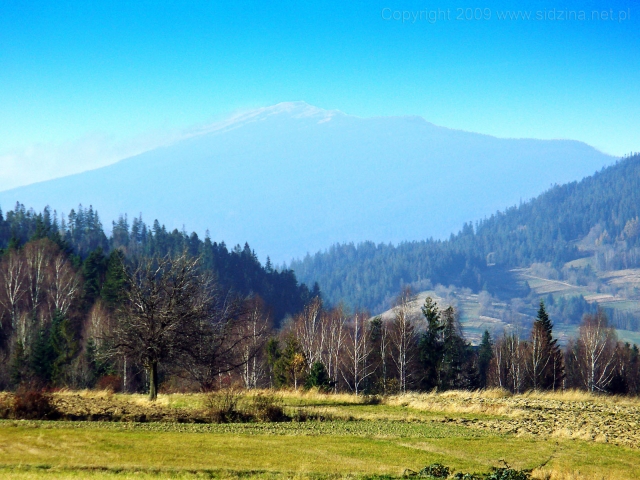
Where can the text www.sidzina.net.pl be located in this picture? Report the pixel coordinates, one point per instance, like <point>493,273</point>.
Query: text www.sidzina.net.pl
<point>484,14</point>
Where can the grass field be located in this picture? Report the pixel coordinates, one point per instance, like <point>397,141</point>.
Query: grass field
<point>577,435</point>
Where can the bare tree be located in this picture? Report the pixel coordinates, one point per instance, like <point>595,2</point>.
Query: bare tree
<point>255,328</point>
<point>13,284</point>
<point>309,331</point>
<point>514,353</point>
<point>221,338</point>
<point>64,284</point>
<point>403,335</point>
<point>333,324</point>
<point>357,352</point>
<point>384,351</point>
<point>537,355</point>
<point>594,352</point>
<point>508,368</point>
<point>37,256</point>
<point>166,300</point>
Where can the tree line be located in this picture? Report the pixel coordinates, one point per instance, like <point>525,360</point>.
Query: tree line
<point>163,322</point>
<point>427,351</point>
<point>63,283</point>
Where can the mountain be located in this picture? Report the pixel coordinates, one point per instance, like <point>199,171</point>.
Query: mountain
<point>579,231</point>
<point>293,178</point>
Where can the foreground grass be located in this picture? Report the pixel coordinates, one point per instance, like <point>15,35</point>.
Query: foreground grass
<point>363,441</point>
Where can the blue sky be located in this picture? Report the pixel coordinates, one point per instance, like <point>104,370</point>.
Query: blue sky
<point>104,79</point>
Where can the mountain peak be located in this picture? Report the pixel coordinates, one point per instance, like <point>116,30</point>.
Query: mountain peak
<point>292,178</point>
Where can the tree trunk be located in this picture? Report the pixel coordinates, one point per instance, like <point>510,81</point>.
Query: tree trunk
<point>153,381</point>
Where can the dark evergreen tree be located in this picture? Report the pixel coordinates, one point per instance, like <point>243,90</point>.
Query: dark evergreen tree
<point>42,356</point>
<point>63,346</point>
<point>485,354</point>
<point>553,373</point>
<point>453,370</point>
<point>93,271</point>
<point>19,368</point>
<point>430,345</point>
<point>113,288</point>
<point>318,377</point>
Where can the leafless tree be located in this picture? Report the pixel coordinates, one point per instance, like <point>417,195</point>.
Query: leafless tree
<point>537,355</point>
<point>508,370</point>
<point>403,335</point>
<point>64,284</point>
<point>309,331</point>
<point>255,329</point>
<point>384,351</point>
<point>514,349</point>
<point>13,283</point>
<point>357,352</point>
<point>221,337</point>
<point>594,352</point>
<point>333,324</point>
<point>37,256</point>
<point>166,302</point>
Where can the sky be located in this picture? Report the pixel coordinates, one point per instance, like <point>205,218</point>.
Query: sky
<point>83,84</point>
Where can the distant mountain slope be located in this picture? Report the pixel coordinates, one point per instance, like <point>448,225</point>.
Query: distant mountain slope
<point>293,178</point>
<point>596,216</point>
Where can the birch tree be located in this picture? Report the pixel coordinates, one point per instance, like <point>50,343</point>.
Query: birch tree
<point>37,256</point>
<point>595,352</point>
<point>403,336</point>
<point>333,323</point>
<point>309,331</point>
<point>357,352</point>
<point>255,328</point>
<point>13,284</point>
<point>64,284</point>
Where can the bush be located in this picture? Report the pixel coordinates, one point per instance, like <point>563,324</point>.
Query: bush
<point>267,408</point>
<point>222,406</point>
<point>30,404</point>
<point>112,383</point>
<point>435,470</point>
<point>6,406</point>
<point>508,474</point>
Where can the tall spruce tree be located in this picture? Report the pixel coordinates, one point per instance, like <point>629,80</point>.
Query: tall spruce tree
<point>115,280</point>
<point>454,352</point>
<point>430,345</point>
<point>552,375</point>
<point>485,354</point>
<point>93,271</point>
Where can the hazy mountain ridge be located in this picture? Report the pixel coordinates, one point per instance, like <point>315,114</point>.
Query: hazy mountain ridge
<point>294,178</point>
<point>594,220</point>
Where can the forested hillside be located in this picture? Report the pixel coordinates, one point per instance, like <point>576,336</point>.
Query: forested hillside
<point>602,208</point>
<point>81,238</point>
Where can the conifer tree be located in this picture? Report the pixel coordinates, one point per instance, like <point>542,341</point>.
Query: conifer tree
<point>485,354</point>
<point>430,345</point>
<point>115,281</point>
<point>454,350</point>
<point>552,372</point>
<point>93,270</point>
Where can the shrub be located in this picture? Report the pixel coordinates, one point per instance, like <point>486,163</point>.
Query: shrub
<point>112,383</point>
<point>508,474</point>
<point>222,406</point>
<point>267,408</point>
<point>31,404</point>
<point>371,400</point>
<point>435,470</point>
<point>6,406</point>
